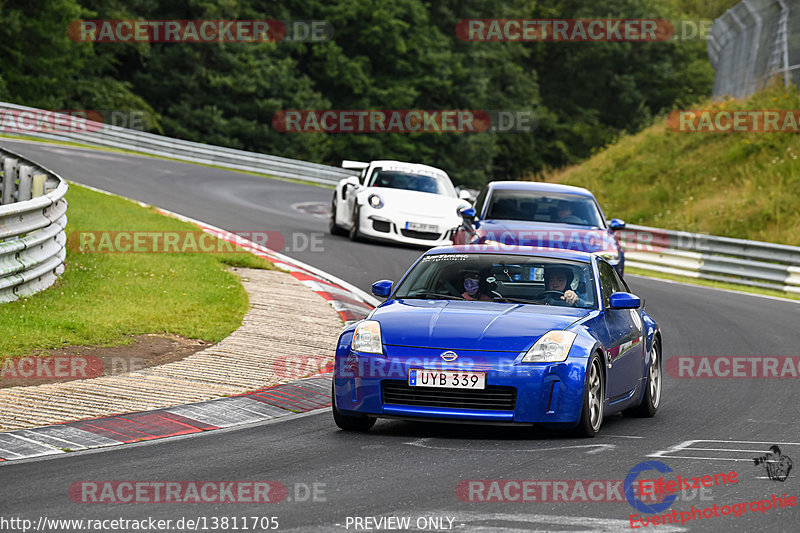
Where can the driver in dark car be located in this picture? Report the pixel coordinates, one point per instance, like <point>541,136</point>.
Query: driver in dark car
<point>558,278</point>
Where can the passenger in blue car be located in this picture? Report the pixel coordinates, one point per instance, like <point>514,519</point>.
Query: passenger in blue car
<point>474,287</point>
<point>557,282</point>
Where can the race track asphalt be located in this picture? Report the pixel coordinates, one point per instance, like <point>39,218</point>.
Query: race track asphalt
<point>413,469</point>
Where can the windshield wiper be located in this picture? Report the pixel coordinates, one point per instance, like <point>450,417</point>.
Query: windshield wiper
<point>518,301</point>
<point>431,296</point>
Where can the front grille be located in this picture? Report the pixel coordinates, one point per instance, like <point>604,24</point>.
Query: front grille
<point>492,398</point>
<point>410,233</point>
<point>380,225</point>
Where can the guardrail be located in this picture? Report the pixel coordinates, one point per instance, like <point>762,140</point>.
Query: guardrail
<point>33,215</point>
<point>753,263</point>
<point>99,134</point>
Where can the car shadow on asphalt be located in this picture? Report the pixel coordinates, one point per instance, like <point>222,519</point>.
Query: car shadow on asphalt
<point>455,432</point>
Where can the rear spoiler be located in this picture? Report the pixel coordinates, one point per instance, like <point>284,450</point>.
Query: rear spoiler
<point>354,165</point>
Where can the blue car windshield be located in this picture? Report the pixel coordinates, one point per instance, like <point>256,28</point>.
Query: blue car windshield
<point>430,183</point>
<point>502,278</point>
<point>539,206</point>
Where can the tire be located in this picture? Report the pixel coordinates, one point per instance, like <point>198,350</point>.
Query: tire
<point>350,423</point>
<point>355,233</point>
<point>652,387</point>
<point>333,227</point>
<point>593,399</point>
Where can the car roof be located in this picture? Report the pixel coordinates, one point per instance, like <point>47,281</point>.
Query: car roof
<point>539,186</point>
<point>418,166</point>
<point>493,249</point>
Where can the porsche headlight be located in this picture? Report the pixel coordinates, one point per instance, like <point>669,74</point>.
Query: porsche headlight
<point>552,347</point>
<point>375,201</point>
<point>367,337</point>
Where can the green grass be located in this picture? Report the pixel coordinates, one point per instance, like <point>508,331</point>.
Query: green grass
<point>742,185</point>
<point>102,299</point>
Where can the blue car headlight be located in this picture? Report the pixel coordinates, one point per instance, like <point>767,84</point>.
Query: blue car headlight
<point>367,337</point>
<point>552,347</point>
<point>375,201</point>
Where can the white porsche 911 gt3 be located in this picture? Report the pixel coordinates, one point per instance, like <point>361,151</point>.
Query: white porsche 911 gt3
<point>403,202</point>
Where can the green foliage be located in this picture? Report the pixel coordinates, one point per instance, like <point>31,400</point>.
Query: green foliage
<point>737,184</point>
<point>383,55</point>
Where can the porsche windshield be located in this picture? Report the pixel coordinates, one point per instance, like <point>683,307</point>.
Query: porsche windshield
<point>394,179</point>
<point>500,278</point>
<point>534,206</point>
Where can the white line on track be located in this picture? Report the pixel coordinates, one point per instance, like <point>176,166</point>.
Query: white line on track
<point>687,446</point>
<point>594,448</point>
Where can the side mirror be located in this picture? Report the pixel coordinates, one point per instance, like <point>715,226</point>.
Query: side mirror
<point>382,288</point>
<point>352,181</point>
<point>625,300</point>
<point>464,194</point>
<point>467,213</point>
<point>616,224</point>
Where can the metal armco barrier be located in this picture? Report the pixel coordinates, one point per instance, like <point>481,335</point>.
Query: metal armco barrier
<point>99,134</point>
<point>754,263</point>
<point>33,215</point>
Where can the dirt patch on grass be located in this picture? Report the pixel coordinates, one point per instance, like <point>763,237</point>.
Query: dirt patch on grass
<point>81,362</point>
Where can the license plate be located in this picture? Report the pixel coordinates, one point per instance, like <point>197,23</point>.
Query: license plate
<point>419,226</point>
<point>446,379</point>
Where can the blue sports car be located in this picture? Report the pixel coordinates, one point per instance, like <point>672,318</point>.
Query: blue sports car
<point>547,215</point>
<point>522,336</point>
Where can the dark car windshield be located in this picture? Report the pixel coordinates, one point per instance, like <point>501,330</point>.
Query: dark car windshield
<point>499,278</point>
<point>431,183</point>
<point>540,206</point>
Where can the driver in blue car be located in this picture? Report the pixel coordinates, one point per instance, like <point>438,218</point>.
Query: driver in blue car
<point>559,278</point>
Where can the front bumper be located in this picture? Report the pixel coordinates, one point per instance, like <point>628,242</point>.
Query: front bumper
<point>547,393</point>
<point>376,224</point>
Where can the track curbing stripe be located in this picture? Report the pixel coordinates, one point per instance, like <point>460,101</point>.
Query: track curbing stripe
<point>351,303</point>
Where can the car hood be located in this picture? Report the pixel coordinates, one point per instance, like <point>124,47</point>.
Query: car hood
<point>417,204</point>
<point>546,235</point>
<point>454,324</point>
